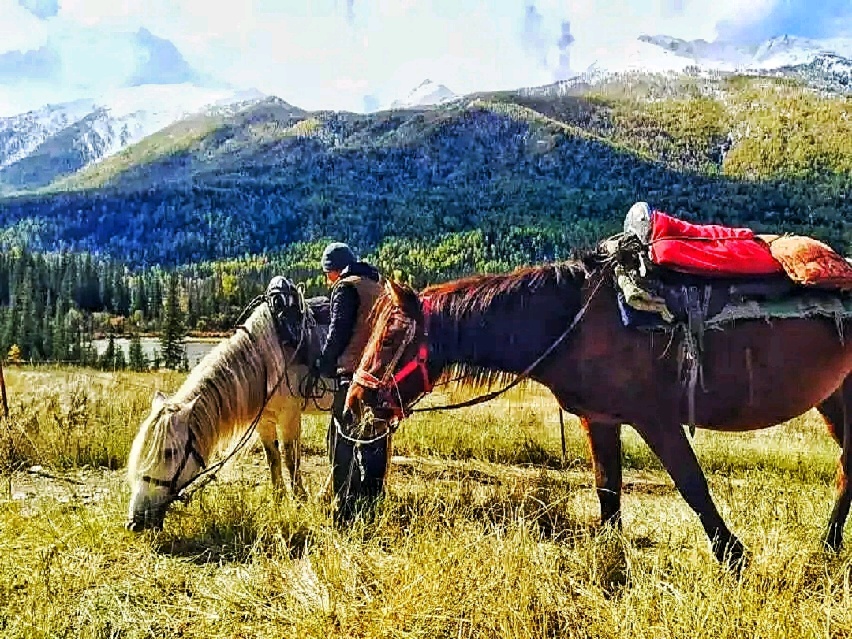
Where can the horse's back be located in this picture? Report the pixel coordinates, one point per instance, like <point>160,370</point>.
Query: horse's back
<point>749,374</point>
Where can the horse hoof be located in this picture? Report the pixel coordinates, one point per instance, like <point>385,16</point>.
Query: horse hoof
<point>833,543</point>
<point>731,554</point>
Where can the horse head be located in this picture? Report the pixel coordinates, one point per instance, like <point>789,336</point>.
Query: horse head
<point>287,305</point>
<point>394,369</point>
<point>166,456</point>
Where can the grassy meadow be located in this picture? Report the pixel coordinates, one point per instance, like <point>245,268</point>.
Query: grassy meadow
<point>486,532</point>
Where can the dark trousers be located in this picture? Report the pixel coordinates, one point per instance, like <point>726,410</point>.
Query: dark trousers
<point>358,470</point>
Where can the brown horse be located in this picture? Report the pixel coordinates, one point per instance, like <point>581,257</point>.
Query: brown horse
<point>755,373</point>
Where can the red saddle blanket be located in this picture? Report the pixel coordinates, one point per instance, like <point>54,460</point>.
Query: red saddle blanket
<point>709,249</point>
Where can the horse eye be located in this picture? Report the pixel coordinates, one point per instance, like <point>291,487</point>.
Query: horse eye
<point>168,454</point>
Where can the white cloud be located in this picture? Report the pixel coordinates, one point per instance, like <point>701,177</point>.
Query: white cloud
<point>20,30</point>
<point>330,53</point>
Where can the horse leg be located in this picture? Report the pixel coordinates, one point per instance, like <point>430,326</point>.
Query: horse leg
<point>605,447</point>
<point>835,412</point>
<point>672,447</point>
<point>292,435</point>
<point>268,433</point>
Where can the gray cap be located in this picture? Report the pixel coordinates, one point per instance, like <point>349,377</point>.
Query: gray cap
<point>337,256</point>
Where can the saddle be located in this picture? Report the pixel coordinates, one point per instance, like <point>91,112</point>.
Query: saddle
<point>661,284</point>
<point>301,323</point>
<point>693,272</point>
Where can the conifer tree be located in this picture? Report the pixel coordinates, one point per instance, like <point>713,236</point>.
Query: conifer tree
<point>136,355</point>
<point>59,341</point>
<point>171,339</point>
<point>107,359</point>
<point>119,362</point>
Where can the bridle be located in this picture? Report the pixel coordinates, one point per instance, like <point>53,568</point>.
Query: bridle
<point>388,385</point>
<point>189,451</point>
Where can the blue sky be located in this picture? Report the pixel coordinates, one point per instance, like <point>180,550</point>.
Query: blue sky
<point>337,54</point>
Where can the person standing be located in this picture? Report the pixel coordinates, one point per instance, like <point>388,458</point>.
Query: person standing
<point>355,287</point>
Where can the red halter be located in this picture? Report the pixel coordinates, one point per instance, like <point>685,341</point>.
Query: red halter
<point>419,362</point>
<point>385,386</point>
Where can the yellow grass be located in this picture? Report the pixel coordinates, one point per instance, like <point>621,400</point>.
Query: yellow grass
<point>484,533</point>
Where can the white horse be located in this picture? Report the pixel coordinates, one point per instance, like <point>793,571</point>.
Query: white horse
<point>253,370</point>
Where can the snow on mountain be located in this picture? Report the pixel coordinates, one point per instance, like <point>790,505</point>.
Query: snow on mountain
<point>20,135</point>
<point>129,114</point>
<point>823,64</point>
<point>827,71</point>
<point>638,55</point>
<point>781,51</point>
<point>792,51</point>
<point>427,93</point>
<point>93,129</point>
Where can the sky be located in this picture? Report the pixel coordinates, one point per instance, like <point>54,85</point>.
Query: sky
<point>352,54</point>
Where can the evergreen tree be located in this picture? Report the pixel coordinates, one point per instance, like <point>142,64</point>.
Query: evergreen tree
<point>136,355</point>
<point>171,338</point>
<point>45,330</point>
<point>59,341</point>
<point>139,296</point>
<point>29,328</point>
<point>107,359</point>
<point>74,331</point>
<point>120,361</point>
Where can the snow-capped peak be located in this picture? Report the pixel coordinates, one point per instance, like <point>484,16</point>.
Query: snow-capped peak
<point>781,51</point>
<point>94,129</point>
<point>37,126</point>
<point>426,93</point>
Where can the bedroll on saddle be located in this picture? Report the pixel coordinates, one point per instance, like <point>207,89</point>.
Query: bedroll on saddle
<point>712,250</point>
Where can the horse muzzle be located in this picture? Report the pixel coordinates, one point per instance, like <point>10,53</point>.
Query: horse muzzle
<point>150,518</point>
<point>141,525</point>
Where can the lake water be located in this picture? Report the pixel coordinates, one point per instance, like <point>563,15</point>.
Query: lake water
<point>196,349</point>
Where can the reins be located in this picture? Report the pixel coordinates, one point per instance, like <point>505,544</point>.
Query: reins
<point>370,381</point>
<point>208,474</point>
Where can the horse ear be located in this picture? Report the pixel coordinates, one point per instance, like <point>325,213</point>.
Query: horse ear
<point>159,401</point>
<point>395,291</point>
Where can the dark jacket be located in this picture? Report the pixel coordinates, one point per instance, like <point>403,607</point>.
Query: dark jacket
<point>352,300</point>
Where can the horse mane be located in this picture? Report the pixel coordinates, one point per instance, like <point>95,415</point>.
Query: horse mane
<point>228,387</point>
<point>474,298</point>
<point>477,293</point>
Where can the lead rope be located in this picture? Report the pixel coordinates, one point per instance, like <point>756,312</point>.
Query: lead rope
<point>524,375</point>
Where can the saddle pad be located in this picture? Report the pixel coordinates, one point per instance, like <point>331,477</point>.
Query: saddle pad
<point>809,262</point>
<point>805,304</point>
<point>709,249</point>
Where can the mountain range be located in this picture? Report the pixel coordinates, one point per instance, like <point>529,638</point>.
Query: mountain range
<point>166,175</point>
<point>41,147</point>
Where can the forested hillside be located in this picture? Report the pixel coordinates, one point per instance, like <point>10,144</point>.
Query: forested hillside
<point>485,183</point>
<point>762,152</point>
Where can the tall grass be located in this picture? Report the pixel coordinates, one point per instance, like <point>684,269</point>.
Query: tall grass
<point>72,417</point>
<point>484,533</point>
